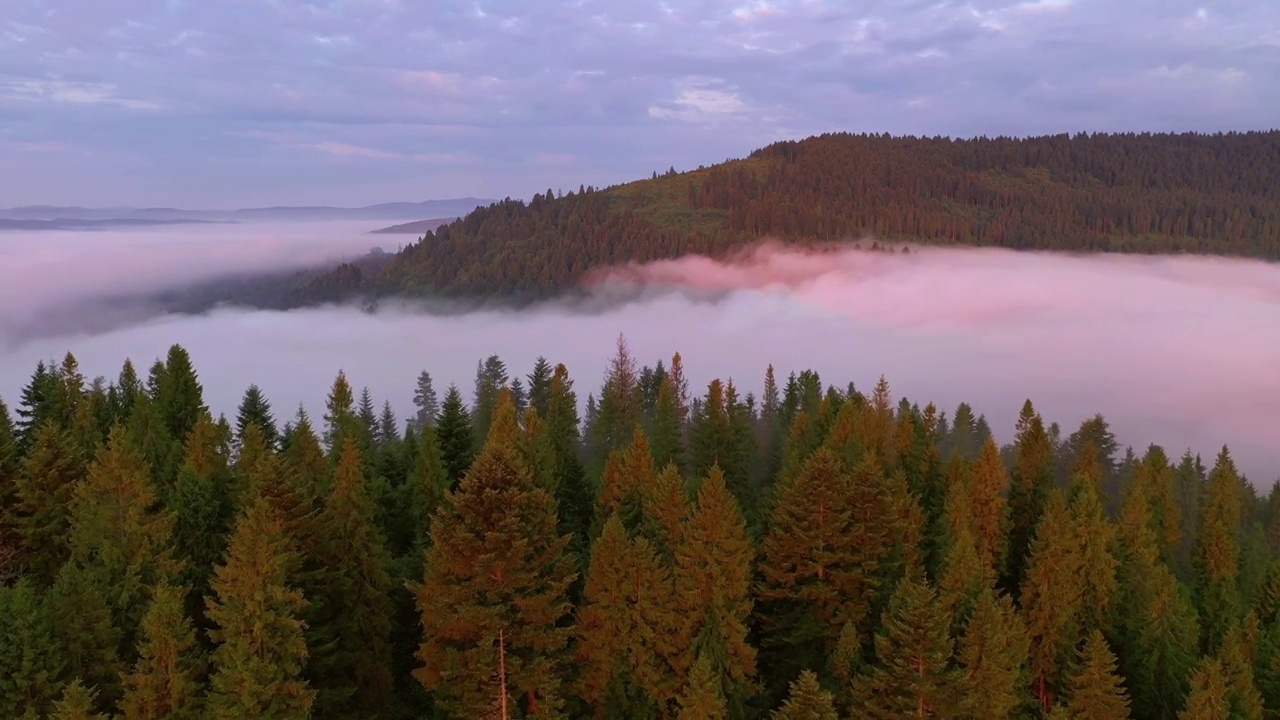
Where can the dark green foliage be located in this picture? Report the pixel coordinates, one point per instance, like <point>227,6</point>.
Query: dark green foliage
<point>256,410</point>
<point>1084,192</point>
<point>31,661</point>
<point>457,438</point>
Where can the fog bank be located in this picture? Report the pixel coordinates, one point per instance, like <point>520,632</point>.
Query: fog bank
<point>1179,351</point>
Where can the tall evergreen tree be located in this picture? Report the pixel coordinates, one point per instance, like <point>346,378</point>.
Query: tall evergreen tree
<point>993,656</point>
<point>619,409</point>
<point>1031,479</point>
<point>261,648</point>
<point>348,622</point>
<point>807,701</point>
<point>32,663</point>
<point>491,378</point>
<point>426,402</point>
<point>713,598</point>
<point>165,682</point>
<point>457,439</point>
<point>340,418</point>
<point>179,395</point>
<point>256,410</point>
<point>495,587</point>
<point>912,677</point>
<point>540,386</point>
<point>1208,699</point>
<point>1218,555</point>
<point>47,478</point>
<point>1097,691</point>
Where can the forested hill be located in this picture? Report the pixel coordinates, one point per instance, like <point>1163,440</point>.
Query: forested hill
<point>1217,194</point>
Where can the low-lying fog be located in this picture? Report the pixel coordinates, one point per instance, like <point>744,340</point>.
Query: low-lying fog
<point>1180,351</point>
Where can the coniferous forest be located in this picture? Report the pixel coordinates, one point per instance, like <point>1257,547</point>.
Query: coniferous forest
<point>816,551</point>
<point>1126,192</point>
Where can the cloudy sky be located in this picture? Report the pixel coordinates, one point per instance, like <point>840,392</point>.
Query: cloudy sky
<point>254,102</point>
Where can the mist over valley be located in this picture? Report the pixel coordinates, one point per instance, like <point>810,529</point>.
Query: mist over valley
<point>1178,351</point>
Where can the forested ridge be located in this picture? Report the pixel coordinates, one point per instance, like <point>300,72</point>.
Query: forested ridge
<point>1143,193</point>
<point>814,552</point>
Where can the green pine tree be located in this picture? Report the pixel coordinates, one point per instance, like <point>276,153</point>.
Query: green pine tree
<point>32,663</point>
<point>166,680</point>
<point>1097,691</point>
<point>807,701</point>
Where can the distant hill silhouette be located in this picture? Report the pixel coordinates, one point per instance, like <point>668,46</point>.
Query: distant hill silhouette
<point>1146,193</point>
<point>384,211</point>
<point>418,227</point>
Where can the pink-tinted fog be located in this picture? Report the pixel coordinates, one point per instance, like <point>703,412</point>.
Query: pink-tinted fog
<point>1180,351</point>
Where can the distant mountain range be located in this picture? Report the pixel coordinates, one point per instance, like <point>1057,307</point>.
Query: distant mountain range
<point>54,217</point>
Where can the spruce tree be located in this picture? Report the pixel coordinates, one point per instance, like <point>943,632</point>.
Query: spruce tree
<point>491,378</point>
<point>912,677</point>
<point>256,410</point>
<point>993,656</point>
<point>348,622</point>
<point>179,395</point>
<point>495,586</point>
<point>340,416</point>
<point>32,663</point>
<point>819,564</point>
<point>619,409</point>
<point>703,697</point>
<point>1097,690</point>
<point>990,511</point>
<point>807,701</point>
<point>1218,554</point>
<point>1031,478</point>
<point>1051,598</point>
<point>426,401</point>
<point>457,441</point>
<point>77,703</point>
<point>1208,699</point>
<point>540,386</point>
<point>625,627</point>
<point>668,435</point>
<point>258,627</point>
<point>165,682</point>
<point>713,599</point>
<point>47,478</point>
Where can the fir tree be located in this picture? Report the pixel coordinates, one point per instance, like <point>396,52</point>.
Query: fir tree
<point>703,697</point>
<point>491,378</point>
<point>993,656</point>
<point>340,416</point>
<point>31,661</point>
<point>540,386</point>
<point>348,623</point>
<point>1208,699</point>
<point>1218,556</point>
<point>668,435</point>
<point>77,703</point>
<point>990,512</point>
<point>426,401</point>
<point>912,677</point>
<point>819,563</point>
<point>261,648</point>
<point>1097,691</point>
<point>457,443</point>
<point>807,701</point>
<point>165,682</point>
<point>625,628</point>
<point>619,409</point>
<point>1051,598</point>
<point>1031,479</point>
<point>47,478</point>
<point>712,585</point>
<point>179,395</point>
<point>256,410</point>
<point>496,580</point>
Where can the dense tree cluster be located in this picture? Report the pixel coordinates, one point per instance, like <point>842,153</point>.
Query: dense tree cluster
<point>815,552</point>
<point>1152,193</point>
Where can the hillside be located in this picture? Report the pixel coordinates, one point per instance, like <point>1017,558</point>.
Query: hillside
<point>1152,193</point>
<point>417,227</point>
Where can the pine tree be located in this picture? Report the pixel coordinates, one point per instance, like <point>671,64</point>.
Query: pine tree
<point>703,698</point>
<point>426,401</point>
<point>1051,598</point>
<point>77,703</point>
<point>203,503</point>
<point>348,623</point>
<point>31,661</point>
<point>256,410</point>
<point>165,682</point>
<point>88,636</point>
<point>118,534</point>
<point>1208,699</point>
<point>912,677</point>
<point>540,386</point>
<point>340,416</point>
<point>262,650</point>
<point>625,628</point>
<point>49,473</point>
<point>819,563</point>
<point>1031,479</point>
<point>1218,556</point>
<point>619,410</point>
<point>990,511</point>
<point>993,656</point>
<point>1097,691</point>
<point>496,578</point>
<point>808,701</point>
<point>457,443</point>
<point>713,599</point>
<point>9,463</point>
<point>491,378</point>
<point>561,435</point>
<point>668,435</point>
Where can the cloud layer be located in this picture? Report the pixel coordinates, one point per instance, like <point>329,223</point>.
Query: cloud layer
<point>1180,351</point>
<point>176,102</point>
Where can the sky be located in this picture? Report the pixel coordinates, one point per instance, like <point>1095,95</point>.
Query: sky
<point>258,102</point>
